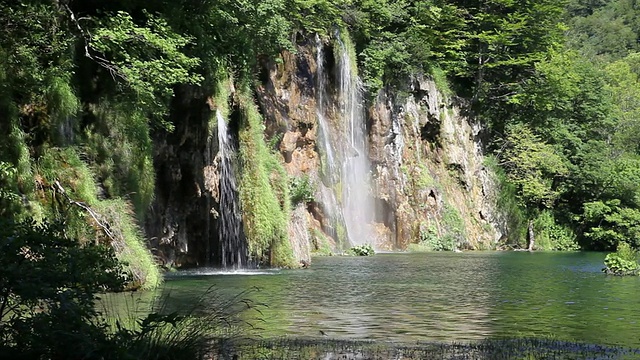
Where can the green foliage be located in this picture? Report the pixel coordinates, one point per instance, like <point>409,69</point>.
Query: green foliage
<point>552,236</point>
<point>532,166</point>
<point>442,83</point>
<point>129,243</point>
<point>48,293</point>
<point>623,262</point>
<point>612,223</point>
<point>320,242</point>
<point>148,58</point>
<point>362,250</point>
<point>507,201</point>
<point>48,284</point>
<point>603,31</point>
<point>451,233</point>
<point>65,166</point>
<point>454,229</point>
<point>397,38</point>
<point>264,193</point>
<point>74,176</point>
<point>316,16</point>
<point>121,132</point>
<point>429,240</point>
<point>301,190</point>
<point>8,195</point>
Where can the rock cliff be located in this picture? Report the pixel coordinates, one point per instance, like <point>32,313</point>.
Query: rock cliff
<point>424,181</point>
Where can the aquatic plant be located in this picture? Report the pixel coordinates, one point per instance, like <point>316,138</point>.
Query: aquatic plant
<point>362,250</point>
<point>180,332</point>
<point>622,262</point>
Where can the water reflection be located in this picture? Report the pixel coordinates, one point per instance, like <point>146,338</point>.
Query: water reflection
<point>439,296</point>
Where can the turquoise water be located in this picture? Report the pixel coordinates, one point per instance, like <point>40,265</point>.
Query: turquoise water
<point>434,296</point>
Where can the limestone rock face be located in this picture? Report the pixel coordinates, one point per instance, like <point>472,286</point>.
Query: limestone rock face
<point>429,174</point>
<point>428,181</point>
<point>288,101</point>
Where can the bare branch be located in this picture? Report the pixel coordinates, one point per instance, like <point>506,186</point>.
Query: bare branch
<point>86,37</point>
<point>104,225</point>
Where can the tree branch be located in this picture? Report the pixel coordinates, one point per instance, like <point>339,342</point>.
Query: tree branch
<point>86,37</point>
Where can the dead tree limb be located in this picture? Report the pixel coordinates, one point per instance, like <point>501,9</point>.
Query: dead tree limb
<point>86,37</point>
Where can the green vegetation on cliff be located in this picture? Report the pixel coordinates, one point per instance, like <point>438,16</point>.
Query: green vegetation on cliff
<point>86,85</point>
<point>264,192</point>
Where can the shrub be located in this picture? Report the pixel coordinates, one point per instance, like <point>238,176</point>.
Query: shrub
<point>48,294</point>
<point>301,190</point>
<point>552,236</point>
<point>48,284</point>
<point>622,262</point>
<point>362,250</point>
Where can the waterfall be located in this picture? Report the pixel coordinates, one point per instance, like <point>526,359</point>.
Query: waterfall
<point>345,161</point>
<point>357,202</point>
<point>233,247</point>
<point>330,170</point>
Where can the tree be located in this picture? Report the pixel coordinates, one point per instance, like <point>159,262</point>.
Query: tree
<point>534,168</point>
<point>48,287</point>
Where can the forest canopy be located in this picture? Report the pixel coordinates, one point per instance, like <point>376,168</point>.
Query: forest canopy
<point>555,85</point>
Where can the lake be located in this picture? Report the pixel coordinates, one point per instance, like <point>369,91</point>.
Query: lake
<point>405,297</point>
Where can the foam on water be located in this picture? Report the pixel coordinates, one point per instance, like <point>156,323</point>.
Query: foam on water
<point>219,272</point>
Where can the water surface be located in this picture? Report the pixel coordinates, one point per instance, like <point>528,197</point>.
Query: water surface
<point>436,296</point>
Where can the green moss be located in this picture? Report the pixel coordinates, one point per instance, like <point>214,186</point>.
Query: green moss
<point>351,50</point>
<point>441,81</point>
<point>129,243</point>
<point>122,133</point>
<point>321,245</point>
<point>422,177</point>
<point>264,192</point>
<point>63,165</point>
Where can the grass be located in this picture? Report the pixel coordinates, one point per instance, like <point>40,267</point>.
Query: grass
<point>129,243</point>
<point>497,349</point>
<point>175,331</point>
<point>77,179</point>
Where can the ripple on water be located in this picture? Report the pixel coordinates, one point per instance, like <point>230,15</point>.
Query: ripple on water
<point>437,296</point>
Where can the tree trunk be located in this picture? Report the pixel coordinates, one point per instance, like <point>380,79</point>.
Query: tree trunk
<point>530,237</point>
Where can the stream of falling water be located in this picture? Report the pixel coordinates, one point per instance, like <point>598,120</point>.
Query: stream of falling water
<point>330,169</point>
<point>346,164</point>
<point>357,204</point>
<point>233,247</point>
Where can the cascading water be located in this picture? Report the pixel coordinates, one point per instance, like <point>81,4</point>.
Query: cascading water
<point>357,204</point>
<point>346,163</point>
<point>331,170</point>
<point>233,247</point>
